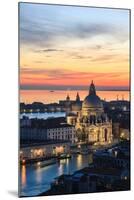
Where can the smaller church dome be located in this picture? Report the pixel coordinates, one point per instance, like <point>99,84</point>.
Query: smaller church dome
<point>76,106</point>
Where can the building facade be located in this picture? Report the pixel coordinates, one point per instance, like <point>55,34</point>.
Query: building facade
<point>91,122</point>
<point>43,149</point>
<point>65,132</point>
<point>52,130</point>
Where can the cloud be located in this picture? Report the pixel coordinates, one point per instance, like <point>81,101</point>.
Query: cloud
<point>51,34</point>
<point>76,55</point>
<point>59,79</point>
<point>98,47</point>
<point>38,61</point>
<point>59,74</point>
<point>114,58</point>
<point>47,50</point>
<point>104,58</point>
<point>91,30</point>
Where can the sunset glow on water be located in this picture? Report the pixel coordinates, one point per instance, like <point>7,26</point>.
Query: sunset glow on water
<point>46,96</point>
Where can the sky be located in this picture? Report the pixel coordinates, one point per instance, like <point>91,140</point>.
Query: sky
<point>67,46</point>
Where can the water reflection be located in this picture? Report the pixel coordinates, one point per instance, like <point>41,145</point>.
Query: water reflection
<point>38,174</point>
<point>63,161</point>
<point>23,175</point>
<point>43,115</point>
<point>79,161</point>
<point>60,169</point>
<point>35,180</point>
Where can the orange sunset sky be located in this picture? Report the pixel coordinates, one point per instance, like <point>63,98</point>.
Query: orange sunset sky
<point>65,47</point>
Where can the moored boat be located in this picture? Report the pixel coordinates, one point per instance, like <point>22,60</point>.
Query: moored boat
<point>64,156</point>
<point>46,162</point>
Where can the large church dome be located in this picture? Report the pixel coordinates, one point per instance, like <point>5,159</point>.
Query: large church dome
<point>92,100</point>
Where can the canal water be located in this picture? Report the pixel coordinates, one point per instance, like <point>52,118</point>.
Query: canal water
<point>34,180</point>
<point>45,115</point>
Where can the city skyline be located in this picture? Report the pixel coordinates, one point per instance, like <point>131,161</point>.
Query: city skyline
<point>74,126</point>
<point>67,51</point>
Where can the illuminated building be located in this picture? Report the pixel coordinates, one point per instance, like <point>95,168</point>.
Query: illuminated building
<point>43,130</point>
<point>91,121</point>
<point>47,148</point>
<point>62,132</point>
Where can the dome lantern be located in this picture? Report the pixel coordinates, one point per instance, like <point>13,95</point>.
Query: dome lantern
<point>92,90</point>
<point>92,101</point>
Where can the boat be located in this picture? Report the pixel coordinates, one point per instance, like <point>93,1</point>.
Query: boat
<point>46,162</point>
<point>85,152</point>
<point>39,162</point>
<point>64,156</point>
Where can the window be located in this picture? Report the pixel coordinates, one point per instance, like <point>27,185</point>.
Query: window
<point>105,134</point>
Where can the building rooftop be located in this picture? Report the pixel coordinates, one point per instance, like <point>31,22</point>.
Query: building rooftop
<point>107,155</point>
<point>31,143</point>
<point>58,125</point>
<point>49,123</point>
<point>71,114</point>
<point>101,171</point>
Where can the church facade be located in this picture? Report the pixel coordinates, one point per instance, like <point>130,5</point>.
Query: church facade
<point>91,123</point>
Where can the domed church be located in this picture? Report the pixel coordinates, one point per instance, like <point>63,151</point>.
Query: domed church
<point>90,121</point>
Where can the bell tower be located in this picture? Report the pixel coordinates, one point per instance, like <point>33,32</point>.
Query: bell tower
<point>77,97</point>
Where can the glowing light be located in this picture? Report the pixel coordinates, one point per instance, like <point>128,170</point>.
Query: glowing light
<point>115,153</point>
<point>59,149</point>
<point>23,161</point>
<point>38,163</point>
<point>38,152</point>
<point>122,135</point>
<point>79,160</point>
<point>124,108</point>
<point>60,169</point>
<point>23,175</point>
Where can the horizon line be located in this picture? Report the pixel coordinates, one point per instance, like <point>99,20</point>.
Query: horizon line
<point>67,88</point>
